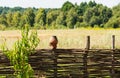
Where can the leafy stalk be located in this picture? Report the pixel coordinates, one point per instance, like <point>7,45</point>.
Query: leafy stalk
<point>18,56</point>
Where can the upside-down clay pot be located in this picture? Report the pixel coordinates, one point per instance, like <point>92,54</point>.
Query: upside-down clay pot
<point>53,42</point>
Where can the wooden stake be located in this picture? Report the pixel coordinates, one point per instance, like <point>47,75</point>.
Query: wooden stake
<point>85,57</point>
<point>112,55</point>
<point>88,43</point>
<point>113,42</point>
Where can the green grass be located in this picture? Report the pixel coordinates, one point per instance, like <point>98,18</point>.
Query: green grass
<point>69,38</point>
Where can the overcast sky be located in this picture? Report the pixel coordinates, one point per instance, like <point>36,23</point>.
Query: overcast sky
<point>51,3</point>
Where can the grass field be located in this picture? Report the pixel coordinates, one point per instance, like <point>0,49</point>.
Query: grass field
<point>72,38</point>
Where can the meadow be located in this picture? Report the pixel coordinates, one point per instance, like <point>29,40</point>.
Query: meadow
<point>68,38</point>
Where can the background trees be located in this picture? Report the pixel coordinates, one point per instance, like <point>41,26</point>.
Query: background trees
<point>68,16</point>
<point>67,6</point>
<point>40,18</point>
<point>29,16</point>
<point>16,19</point>
<point>51,17</point>
<point>71,18</point>
<point>61,19</point>
<point>114,21</point>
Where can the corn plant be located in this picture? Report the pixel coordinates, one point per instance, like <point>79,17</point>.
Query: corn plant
<point>18,56</point>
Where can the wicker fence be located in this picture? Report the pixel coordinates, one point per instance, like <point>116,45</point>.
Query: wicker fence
<point>72,63</point>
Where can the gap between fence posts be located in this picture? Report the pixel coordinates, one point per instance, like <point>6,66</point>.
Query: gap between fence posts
<point>85,57</point>
<point>112,54</point>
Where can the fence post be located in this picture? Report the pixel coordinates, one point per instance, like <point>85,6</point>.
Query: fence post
<point>113,41</point>
<point>85,57</point>
<point>55,63</point>
<point>112,55</point>
<point>88,43</point>
<point>53,44</point>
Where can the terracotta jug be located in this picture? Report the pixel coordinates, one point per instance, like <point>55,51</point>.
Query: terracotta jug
<point>53,42</point>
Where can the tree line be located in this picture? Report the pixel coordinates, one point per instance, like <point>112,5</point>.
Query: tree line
<point>69,15</point>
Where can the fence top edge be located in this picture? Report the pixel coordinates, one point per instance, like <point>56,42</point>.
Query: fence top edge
<point>68,49</point>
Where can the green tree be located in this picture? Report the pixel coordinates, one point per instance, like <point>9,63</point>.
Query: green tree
<point>106,14</point>
<point>17,9</point>
<point>114,21</point>
<point>22,20</point>
<point>9,19</point>
<point>61,19</point>
<point>71,18</point>
<point>97,15</point>
<point>28,17</point>
<point>5,10</point>
<point>16,19</point>
<point>3,19</point>
<point>67,6</point>
<point>88,15</point>
<point>94,21</point>
<point>1,9</point>
<point>92,3</point>
<point>82,8</point>
<point>40,18</point>
<point>52,16</point>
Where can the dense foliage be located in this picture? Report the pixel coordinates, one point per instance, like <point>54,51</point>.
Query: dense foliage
<point>69,15</point>
<point>22,49</point>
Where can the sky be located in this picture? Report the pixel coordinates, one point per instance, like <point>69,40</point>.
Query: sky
<point>51,3</point>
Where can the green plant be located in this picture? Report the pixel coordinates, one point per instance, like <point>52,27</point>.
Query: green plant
<point>2,27</point>
<point>18,56</point>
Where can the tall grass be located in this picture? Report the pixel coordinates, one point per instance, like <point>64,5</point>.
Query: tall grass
<point>70,38</point>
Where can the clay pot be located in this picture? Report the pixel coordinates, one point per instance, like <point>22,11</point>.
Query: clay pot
<point>53,42</point>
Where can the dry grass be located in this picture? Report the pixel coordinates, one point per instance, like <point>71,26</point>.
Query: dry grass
<point>76,38</point>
